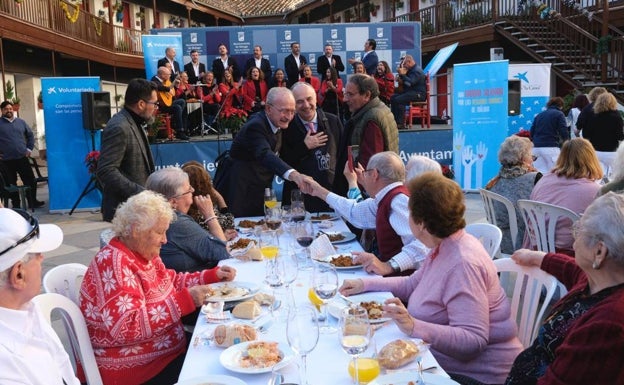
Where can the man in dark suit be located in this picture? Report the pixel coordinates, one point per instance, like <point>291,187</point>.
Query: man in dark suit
<point>294,63</point>
<point>194,69</point>
<point>170,54</point>
<point>125,157</point>
<point>253,159</point>
<point>369,58</point>
<point>329,60</point>
<point>258,61</point>
<point>223,62</point>
<point>311,146</point>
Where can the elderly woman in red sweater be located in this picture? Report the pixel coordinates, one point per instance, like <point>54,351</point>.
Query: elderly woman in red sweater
<point>581,340</point>
<point>133,304</point>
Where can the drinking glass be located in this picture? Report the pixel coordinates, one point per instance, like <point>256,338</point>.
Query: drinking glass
<point>287,375</point>
<point>302,332</point>
<point>325,284</point>
<point>367,363</point>
<point>297,207</point>
<point>304,235</point>
<point>270,200</point>
<point>355,334</point>
<point>269,247</point>
<point>273,217</point>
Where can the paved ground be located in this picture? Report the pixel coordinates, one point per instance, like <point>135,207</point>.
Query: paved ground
<point>82,229</point>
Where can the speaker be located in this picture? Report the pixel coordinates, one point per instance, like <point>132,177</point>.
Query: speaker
<point>497,54</point>
<point>513,97</point>
<point>96,110</point>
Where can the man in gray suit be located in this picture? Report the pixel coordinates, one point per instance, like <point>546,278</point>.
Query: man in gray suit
<point>125,158</point>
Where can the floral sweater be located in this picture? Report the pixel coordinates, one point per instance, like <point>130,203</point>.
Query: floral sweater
<point>132,308</point>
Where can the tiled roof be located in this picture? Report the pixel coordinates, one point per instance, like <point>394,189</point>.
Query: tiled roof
<point>254,8</point>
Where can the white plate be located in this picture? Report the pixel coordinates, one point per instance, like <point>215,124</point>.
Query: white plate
<point>230,358</point>
<point>332,256</point>
<point>332,217</point>
<point>214,379</point>
<point>250,290</point>
<point>403,378</point>
<point>348,237</point>
<point>334,308</point>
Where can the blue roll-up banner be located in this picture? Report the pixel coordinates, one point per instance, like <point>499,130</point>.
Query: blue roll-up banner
<point>534,93</point>
<point>154,47</point>
<point>67,142</point>
<point>394,40</point>
<point>479,121</point>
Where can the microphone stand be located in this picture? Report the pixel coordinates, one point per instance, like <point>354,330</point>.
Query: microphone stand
<point>216,120</point>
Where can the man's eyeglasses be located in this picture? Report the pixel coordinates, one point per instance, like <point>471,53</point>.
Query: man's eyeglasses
<point>34,232</point>
<point>284,111</point>
<point>370,169</point>
<point>155,104</point>
<point>190,191</point>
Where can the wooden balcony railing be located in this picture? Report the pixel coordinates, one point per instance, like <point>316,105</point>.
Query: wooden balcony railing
<point>67,20</point>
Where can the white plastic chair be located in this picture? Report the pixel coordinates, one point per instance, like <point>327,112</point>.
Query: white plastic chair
<point>489,235</point>
<point>65,280</point>
<point>76,329</point>
<point>528,284</point>
<point>541,221</point>
<point>489,198</point>
<point>105,236</point>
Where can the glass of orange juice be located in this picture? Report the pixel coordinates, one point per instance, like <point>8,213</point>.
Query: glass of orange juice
<point>269,247</point>
<point>367,364</point>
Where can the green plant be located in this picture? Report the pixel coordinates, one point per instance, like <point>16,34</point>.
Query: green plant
<point>118,98</point>
<point>9,93</point>
<point>603,44</point>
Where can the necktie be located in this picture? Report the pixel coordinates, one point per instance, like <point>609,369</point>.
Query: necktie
<point>311,127</point>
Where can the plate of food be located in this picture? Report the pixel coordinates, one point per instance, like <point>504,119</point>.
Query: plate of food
<point>246,226</point>
<point>342,261</point>
<point>372,302</point>
<point>409,377</point>
<point>338,237</point>
<point>256,357</point>
<point>319,217</point>
<point>214,379</point>
<point>231,291</point>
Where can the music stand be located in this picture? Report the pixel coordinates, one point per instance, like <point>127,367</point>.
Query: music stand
<point>92,183</point>
<point>204,128</point>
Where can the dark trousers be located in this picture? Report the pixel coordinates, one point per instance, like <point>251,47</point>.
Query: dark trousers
<point>178,110</point>
<point>399,101</point>
<point>21,166</point>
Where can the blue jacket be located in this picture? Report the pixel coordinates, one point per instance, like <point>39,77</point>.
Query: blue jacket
<point>549,128</point>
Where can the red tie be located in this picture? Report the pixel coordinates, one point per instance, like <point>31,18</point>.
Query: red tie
<point>311,127</point>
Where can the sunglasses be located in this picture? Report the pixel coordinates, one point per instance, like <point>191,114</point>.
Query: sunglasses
<point>32,234</point>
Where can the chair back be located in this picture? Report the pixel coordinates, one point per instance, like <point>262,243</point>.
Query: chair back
<point>527,284</point>
<point>541,221</point>
<point>489,235</point>
<point>421,109</point>
<point>65,280</point>
<point>105,236</point>
<point>76,328</point>
<point>490,199</point>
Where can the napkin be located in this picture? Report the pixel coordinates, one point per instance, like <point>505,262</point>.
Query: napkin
<point>321,247</point>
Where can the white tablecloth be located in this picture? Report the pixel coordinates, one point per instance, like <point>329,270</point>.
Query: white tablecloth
<point>327,363</point>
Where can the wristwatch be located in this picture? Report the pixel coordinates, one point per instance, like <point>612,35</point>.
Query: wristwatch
<point>394,265</point>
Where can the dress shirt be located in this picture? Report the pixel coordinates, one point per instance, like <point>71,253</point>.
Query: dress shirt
<point>30,350</point>
<point>363,215</point>
<point>225,63</point>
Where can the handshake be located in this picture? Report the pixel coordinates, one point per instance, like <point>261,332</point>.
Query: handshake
<point>308,185</point>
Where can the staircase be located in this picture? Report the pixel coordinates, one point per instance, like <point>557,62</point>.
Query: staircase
<point>571,46</point>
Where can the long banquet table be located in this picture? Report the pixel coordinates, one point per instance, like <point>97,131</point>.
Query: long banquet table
<point>327,363</point>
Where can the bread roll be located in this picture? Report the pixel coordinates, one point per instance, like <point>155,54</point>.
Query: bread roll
<point>397,353</point>
<point>246,310</point>
<point>264,299</point>
<point>228,335</point>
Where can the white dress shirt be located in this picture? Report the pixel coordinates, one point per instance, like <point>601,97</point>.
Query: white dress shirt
<point>30,350</point>
<point>363,215</point>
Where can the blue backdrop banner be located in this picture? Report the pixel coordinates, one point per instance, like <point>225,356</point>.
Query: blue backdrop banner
<point>154,47</point>
<point>67,142</point>
<point>479,121</point>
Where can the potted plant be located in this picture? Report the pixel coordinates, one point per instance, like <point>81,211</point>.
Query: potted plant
<point>153,129</point>
<point>9,94</point>
<point>232,119</point>
<point>40,100</point>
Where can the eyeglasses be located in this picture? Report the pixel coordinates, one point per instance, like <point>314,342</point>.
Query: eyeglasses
<point>155,104</point>
<point>534,157</point>
<point>190,191</point>
<point>283,111</point>
<point>370,169</point>
<point>32,234</point>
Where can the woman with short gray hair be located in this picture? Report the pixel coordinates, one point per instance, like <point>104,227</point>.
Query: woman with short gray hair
<point>579,340</point>
<point>515,180</point>
<point>189,247</point>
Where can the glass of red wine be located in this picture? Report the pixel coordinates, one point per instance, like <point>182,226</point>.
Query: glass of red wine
<point>304,234</point>
<point>273,218</point>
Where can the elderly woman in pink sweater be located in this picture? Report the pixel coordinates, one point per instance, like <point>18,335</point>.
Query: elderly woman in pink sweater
<point>454,301</point>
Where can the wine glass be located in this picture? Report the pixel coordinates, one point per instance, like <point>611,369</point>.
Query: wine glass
<point>355,334</point>
<point>269,247</point>
<point>270,200</point>
<point>304,234</point>
<point>273,217</point>
<point>297,207</point>
<point>302,332</point>
<point>325,284</point>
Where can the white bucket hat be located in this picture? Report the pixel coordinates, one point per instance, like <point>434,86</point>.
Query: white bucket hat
<point>21,233</point>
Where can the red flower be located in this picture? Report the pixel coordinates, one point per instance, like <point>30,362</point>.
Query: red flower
<point>524,134</point>
<point>91,161</point>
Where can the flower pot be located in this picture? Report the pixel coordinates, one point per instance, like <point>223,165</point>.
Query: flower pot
<point>16,107</point>
<point>40,105</point>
